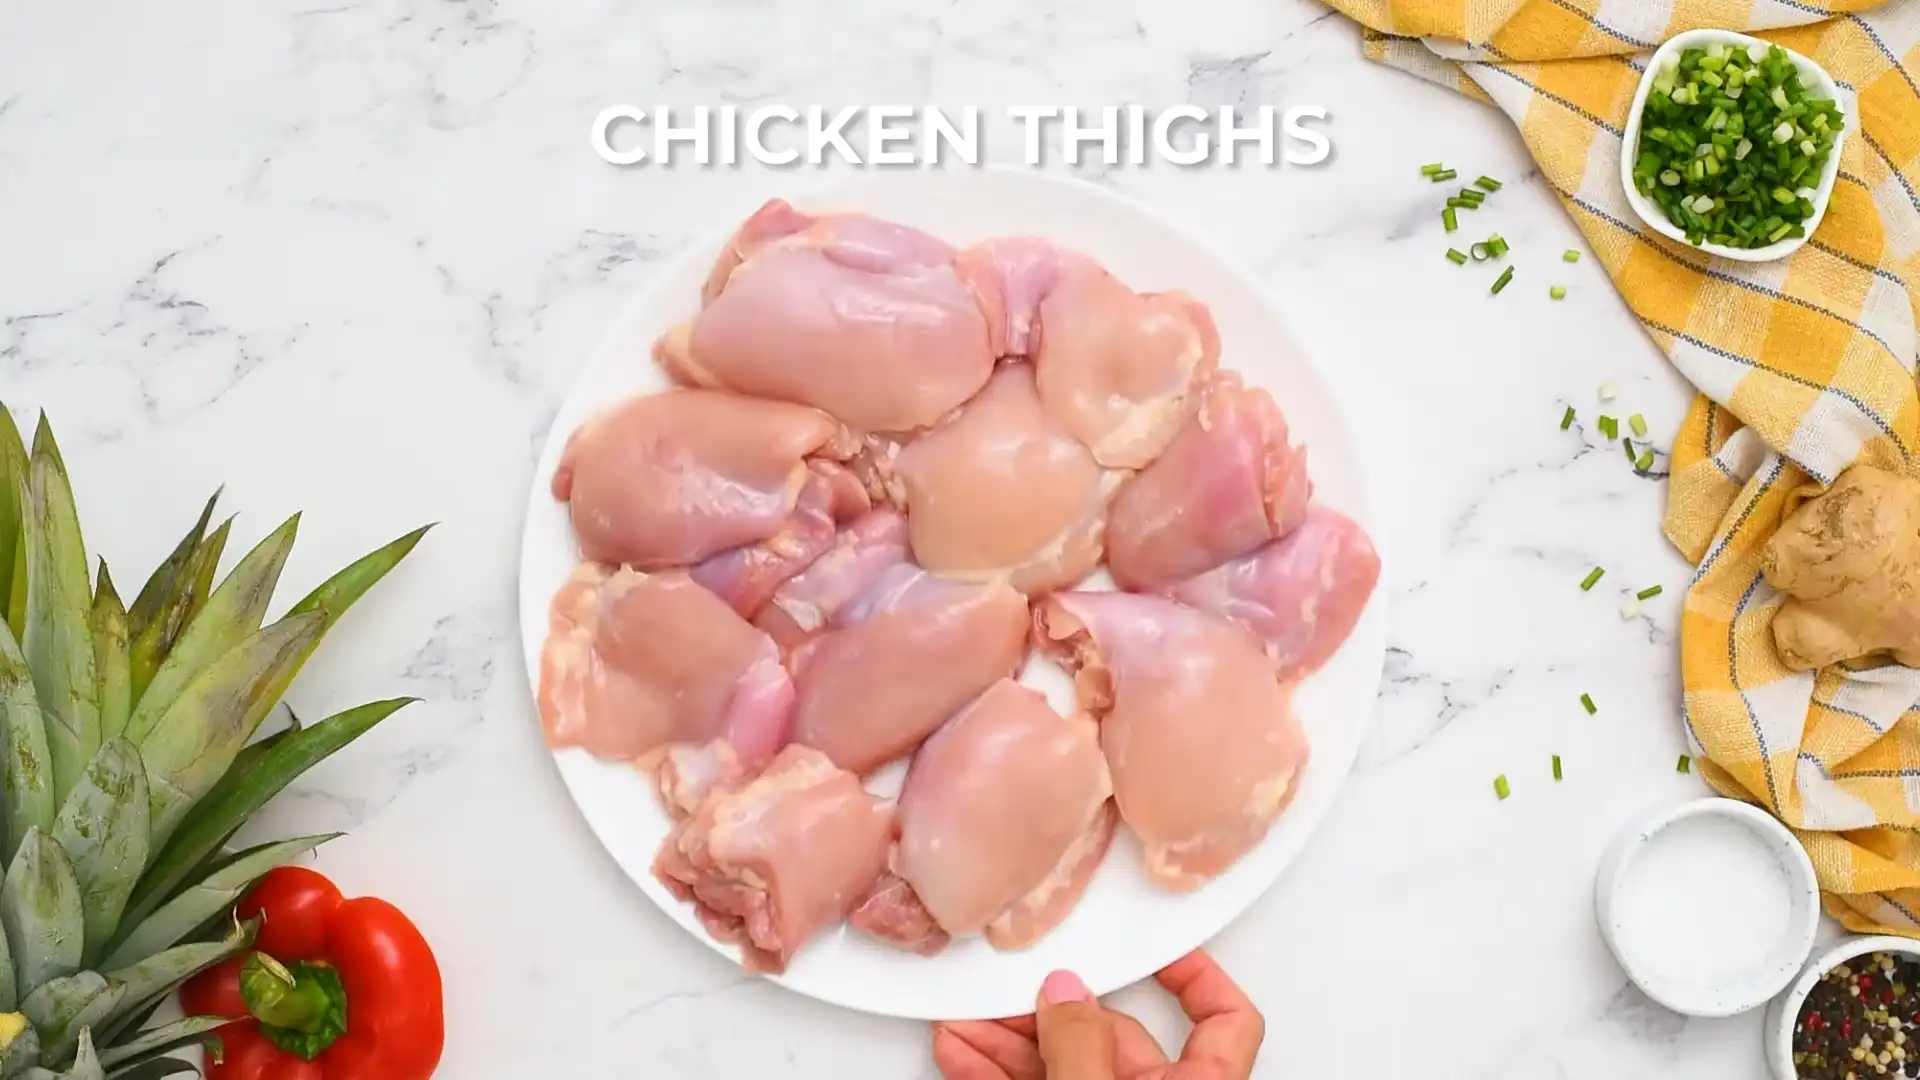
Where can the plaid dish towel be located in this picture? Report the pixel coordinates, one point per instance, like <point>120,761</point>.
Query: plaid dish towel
<point>1804,366</point>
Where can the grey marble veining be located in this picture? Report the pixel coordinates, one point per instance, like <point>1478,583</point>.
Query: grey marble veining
<point>346,258</point>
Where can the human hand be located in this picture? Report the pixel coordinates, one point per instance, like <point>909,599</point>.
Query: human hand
<point>1070,1037</point>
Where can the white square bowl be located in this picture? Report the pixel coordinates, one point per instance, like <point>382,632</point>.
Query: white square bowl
<point>1812,76</point>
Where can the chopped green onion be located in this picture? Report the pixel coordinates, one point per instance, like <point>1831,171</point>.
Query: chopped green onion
<point>1609,426</point>
<point>1570,255</point>
<point>1556,768</point>
<point>1496,245</point>
<point>1472,195</point>
<point>1500,788</point>
<point>1586,702</point>
<point>1456,257</point>
<point>1685,764</point>
<point>1639,424</point>
<point>1448,219</point>
<point>1649,592</point>
<point>1429,170</point>
<point>1566,419</point>
<point>1609,390</point>
<point>1457,203</point>
<point>1558,292</point>
<point>1645,461</point>
<point>1593,577</point>
<point>1442,176</point>
<point>1479,251</point>
<point>1489,183</point>
<point>1627,445</point>
<point>1501,281</point>
<point>1726,166</point>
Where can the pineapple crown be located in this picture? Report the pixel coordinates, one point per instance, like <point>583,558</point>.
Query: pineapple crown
<point>128,762</point>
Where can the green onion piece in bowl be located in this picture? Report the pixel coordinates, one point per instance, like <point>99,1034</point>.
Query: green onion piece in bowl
<point>1500,788</point>
<point>1566,419</point>
<point>1489,183</point>
<point>1586,702</point>
<point>1593,578</point>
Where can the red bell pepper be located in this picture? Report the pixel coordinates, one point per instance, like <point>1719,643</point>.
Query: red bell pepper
<point>337,989</point>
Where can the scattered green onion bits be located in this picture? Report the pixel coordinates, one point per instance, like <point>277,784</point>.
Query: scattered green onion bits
<point>1627,445</point>
<point>1566,419</point>
<point>1431,169</point>
<point>1639,424</point>
<point>1570,255</point>
<point>1685,764</point>
<point>1593,578</point>
<point>1489,183</point>
<point>1558,292</point>
<point>1442,176</point>
<point>1586,702</point>
<point>1456,257</point>
<point>1449,219</point>
<point>1556,768</point>
<point>1649,592</point>
<point>1645,461</point>
<point>1609,427</point>
<point>1501,281</point>
<point>1500,788</point>
<point>1480,252</point>
<point>1732,145</point>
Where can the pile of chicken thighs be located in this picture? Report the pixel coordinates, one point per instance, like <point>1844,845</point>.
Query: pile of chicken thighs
<point>885,474</point>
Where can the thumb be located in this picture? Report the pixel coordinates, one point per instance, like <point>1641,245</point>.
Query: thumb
<point>1075,1040</point>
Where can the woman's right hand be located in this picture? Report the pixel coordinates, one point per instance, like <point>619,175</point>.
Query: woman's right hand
<point>1071,1037</point>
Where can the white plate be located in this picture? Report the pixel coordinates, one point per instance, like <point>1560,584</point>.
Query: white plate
<point>1124,929</point>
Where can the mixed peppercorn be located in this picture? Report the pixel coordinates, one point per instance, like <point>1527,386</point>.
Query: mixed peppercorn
<point>1861,1020</point>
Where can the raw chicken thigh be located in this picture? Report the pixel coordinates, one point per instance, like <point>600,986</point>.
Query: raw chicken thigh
<point>863,318</point>
<point>911,652</point>
<point>1201,738</point>
<point>1114,367</point>
<point>1002,491</point>
<point>671,479</point>
<point>1302,593</point>
<point>747,577</point>
<point>1004,817</point>
<point>634,662</point>
<point>809,601</point>
<point>771,863</point>
<point>1227,483</point>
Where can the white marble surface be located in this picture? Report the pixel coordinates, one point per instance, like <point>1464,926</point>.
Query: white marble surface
<point>345,256</point>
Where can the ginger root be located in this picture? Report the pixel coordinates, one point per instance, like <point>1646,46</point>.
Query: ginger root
<point>1849,562</point>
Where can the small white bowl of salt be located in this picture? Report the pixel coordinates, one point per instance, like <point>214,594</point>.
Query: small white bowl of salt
<point>1710,906</point>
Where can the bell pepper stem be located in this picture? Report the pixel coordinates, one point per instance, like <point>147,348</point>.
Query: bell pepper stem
<point>274,996</point>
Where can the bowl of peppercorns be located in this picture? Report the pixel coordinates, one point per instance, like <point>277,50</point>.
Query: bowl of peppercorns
<point>1853,1014</point>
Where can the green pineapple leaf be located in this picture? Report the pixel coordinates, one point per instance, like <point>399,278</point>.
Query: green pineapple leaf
<point>86,1064</point>
<point>158,1068</point>
<point>111,661</point>
<point>163,972</point>
<point>25,771</point>
<point>339,592</point>
<point>165,583</point>
<point>104,830</point>
<point>164,1039</point>
<point>158,613</point>
<point>58,640</point>
<point>234,611</point>
<point>198,738</point>
<point>13,482</point>
<point>205,900</point>
<point>41,914</point>
<point>66,1008</point>
<point>243,791</point>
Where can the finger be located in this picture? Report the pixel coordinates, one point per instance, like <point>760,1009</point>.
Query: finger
<point>1135,1050</point>
<point>1227,1028</point>
<point>958,1061</point>
<point>1020,1025</point>
<point>1076,1042</point>
<point>1014,1053</point>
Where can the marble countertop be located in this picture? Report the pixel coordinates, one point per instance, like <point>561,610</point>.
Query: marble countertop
<point>345,256</point>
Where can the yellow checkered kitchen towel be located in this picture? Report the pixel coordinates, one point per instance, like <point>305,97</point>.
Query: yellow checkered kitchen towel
<point>1804,367</point>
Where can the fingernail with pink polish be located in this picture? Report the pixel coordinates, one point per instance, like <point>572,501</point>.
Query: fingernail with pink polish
<point>1064,986</point>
